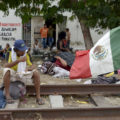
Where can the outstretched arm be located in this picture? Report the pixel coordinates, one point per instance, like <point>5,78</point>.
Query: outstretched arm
<point>64,63</point>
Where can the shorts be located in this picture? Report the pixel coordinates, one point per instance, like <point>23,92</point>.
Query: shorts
<point>26,79</point>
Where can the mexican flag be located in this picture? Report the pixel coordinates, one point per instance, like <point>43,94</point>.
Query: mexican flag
<point>103,58</point>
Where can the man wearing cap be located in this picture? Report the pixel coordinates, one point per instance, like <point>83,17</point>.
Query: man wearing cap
<point>18,63</point>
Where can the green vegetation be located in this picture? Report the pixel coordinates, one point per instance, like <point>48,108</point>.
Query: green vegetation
<point>90,13</point>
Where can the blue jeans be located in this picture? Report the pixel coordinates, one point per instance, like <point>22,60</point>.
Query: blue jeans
<point>44,41</point>
<point>50,41</point>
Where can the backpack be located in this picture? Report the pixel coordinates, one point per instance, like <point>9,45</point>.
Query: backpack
<point>17,89</point>
<point>47,68</point>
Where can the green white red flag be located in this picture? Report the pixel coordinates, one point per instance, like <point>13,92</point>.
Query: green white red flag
<point>103,58</point>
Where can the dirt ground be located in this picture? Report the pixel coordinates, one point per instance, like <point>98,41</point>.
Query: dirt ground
<point>47,79</point>
<point>44,78</point>
<point>69,101</point>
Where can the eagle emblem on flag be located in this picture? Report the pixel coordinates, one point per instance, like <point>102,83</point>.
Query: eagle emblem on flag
<point>100,52</point>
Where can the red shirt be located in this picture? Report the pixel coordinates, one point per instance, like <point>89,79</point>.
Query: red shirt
<point>60,65</point>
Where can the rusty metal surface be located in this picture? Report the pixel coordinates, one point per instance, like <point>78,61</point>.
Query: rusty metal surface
<point>94,113</point>
<point>76,89</point>
<point>67,114</point>
<point>5,116</point>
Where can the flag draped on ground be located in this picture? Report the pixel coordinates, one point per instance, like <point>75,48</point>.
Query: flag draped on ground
<point>104,57</point>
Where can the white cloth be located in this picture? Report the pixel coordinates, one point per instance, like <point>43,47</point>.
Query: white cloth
<point>60,72</point>
<point>37,47</point>
<point>22,65</point>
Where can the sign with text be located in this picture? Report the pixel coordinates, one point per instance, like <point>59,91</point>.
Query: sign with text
<point>10,29</point>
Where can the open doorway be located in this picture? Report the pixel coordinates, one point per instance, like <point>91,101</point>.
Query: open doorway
<point>48,23</point>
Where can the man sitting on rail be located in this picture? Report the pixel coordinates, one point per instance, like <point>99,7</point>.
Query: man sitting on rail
<point>18,64</point>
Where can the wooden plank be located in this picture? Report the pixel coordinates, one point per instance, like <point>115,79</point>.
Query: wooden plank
<point>100,101</point>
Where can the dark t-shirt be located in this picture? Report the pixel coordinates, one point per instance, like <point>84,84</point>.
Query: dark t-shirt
<point>61,36</point>
<point>68,57</point>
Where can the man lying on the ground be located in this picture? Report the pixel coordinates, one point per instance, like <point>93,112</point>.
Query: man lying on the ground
<point>59,63</point>
<point>18,63</point>
<point>64,60</point>
<point>59,66</point>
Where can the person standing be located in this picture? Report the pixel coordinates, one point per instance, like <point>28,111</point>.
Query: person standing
<point>68,37</point>
<point>44,32</point>
<point>50,36</point>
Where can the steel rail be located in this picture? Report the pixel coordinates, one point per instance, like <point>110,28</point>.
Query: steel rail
<point>111,113</point>
<point>75,89</point>
<point>94,113</point>
<point>5,115</point>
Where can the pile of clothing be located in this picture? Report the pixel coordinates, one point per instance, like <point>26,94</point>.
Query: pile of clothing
<point>103,80</point>
<point>56,66</point>
<point>50,68</point>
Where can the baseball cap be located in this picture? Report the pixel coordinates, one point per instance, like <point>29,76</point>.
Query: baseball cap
<point>20,45</point>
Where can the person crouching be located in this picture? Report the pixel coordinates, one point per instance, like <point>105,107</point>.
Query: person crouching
<point>18,63</point>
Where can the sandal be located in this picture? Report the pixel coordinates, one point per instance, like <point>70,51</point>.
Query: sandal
<point>39,101</point>
<point>9,101</point>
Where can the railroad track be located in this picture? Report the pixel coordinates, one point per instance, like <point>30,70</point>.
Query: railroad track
<point>102,110</point>
<point>76,89</point>
<point>62,114</point>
